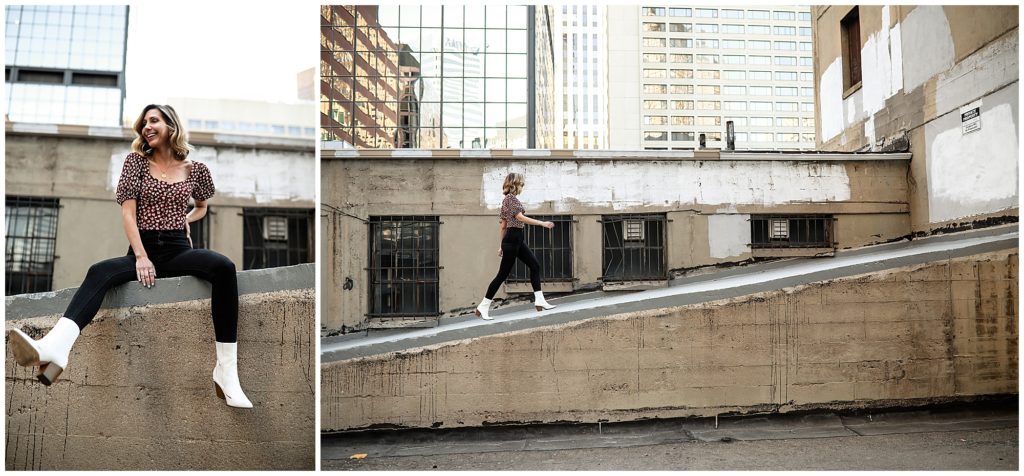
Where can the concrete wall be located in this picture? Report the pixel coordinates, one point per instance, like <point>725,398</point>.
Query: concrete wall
<point>936,332</point>
<point>707,196</point>
<point>922,67</point>
<point>81,166</point>
<point>138,395</point>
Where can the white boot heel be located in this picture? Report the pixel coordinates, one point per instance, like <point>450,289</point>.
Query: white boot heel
<point>50,353</point>
<point>540,303</point>
<point>483,310</point>
<point>225,376</point>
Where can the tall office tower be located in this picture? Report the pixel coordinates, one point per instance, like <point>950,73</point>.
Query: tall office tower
<point>580,33</point>
<point>700,67</point>
<point>435,76</point>
<point>65,64</point>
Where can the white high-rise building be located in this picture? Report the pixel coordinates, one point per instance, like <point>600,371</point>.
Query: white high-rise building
<point>694,68</point>
<point>579,37</point>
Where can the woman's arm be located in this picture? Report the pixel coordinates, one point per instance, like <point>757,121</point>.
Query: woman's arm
<point>197,213</point>
<point>501,234</point>
<point>144,270</point>
<point>531,221</point>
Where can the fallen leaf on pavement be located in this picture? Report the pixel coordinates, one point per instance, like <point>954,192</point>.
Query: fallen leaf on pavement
<point>358,456</point>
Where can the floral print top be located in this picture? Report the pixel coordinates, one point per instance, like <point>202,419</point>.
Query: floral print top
<point>510,207</point>
<point>161,205</point>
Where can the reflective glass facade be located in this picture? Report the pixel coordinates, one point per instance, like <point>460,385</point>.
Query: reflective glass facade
<point>65,64</point>
<point>433,76</point>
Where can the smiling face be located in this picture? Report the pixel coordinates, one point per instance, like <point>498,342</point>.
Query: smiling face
<point>155,130</point>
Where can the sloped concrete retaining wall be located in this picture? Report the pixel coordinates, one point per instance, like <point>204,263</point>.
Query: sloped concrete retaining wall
<point>138,394</point>
<point>935,332</point>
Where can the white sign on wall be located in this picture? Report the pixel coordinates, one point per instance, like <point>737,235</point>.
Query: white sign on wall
<point>970,117</point>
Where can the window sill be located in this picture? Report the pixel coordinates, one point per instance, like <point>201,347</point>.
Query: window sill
<point>852,89</point>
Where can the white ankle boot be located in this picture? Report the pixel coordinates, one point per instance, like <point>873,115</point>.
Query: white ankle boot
<point>483,309</point>
<point>225,376</point>
<point>540,303</point>
<point>50,353</point>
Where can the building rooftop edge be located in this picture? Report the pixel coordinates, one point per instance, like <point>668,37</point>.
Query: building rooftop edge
<point>125,133</point>
<point>570,154</point>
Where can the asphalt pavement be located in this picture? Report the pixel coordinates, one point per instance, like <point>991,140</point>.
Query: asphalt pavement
<point>978,436</point>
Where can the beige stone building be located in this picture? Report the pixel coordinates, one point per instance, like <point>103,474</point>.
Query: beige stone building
<point>941,81</point>
<point>61,215</point>
<point>411,236</point>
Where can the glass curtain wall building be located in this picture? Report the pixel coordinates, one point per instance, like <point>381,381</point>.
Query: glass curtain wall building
<point>65,64</point>
<point>435,76</point>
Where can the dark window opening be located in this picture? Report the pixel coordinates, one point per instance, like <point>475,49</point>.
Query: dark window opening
<point>267,246</point>
<point>404,269</point>
<point>553,249</point>
<point>43,77</point>
<point>94,79</point>
<point>779,231</point>
<point>633,247</point>
<point>851,49</point>
<point>31,225</point>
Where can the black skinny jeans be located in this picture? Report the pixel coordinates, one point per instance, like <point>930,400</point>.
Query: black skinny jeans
<point>171,256</point>
<point>513,245</point>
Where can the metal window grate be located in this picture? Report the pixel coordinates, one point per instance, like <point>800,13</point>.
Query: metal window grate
<point>791,231</point>
<point>404,270</point>
<point>553,249</point>
<point>633,247</point>
<point>31,240</point>
<point>260,252</point>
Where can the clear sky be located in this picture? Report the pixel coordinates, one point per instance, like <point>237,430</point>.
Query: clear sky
<point>214,50</point>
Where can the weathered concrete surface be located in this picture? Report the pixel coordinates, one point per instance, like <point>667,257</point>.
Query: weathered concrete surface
<point>707,198</point>
<point>941,330</point>
<point>138,394</point>
<point>923,66</point>
<point>694,289</point>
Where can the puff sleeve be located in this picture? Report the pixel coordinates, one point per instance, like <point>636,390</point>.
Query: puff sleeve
<point>129,186</point>
<point>203,185</point>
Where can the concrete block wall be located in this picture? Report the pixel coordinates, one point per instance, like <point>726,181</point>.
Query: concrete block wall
<point>935,332</point>
<point>138,393</point>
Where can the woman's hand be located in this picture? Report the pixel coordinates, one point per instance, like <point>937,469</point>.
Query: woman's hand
<point>145,271</point>
<point>499,252</point>
<point>548,224</point>
<point>188,234</point>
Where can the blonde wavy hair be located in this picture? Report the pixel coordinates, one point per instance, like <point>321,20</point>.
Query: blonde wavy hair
<point>513,184</point>
<point>178,139</point>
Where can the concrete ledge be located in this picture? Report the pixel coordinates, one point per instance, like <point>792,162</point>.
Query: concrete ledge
<point>937,331</point>
<point>168,290</point>
<point>137,393</point>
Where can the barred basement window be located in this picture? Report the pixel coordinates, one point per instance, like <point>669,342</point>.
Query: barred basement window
<point>633,247</point>
<point>31,224</point>
<point>791,231</point>
<point>277,237</point>
<point>404,269</point>
<point>553,249</point>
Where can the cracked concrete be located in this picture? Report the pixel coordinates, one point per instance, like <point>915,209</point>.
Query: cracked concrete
<point>137,392</point>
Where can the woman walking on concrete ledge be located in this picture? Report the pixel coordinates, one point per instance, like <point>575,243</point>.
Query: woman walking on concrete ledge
<point>513,245</point>
<point>156,183</point>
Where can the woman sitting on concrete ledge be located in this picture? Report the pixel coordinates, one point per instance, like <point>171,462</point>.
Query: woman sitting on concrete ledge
<point>156,183</point>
